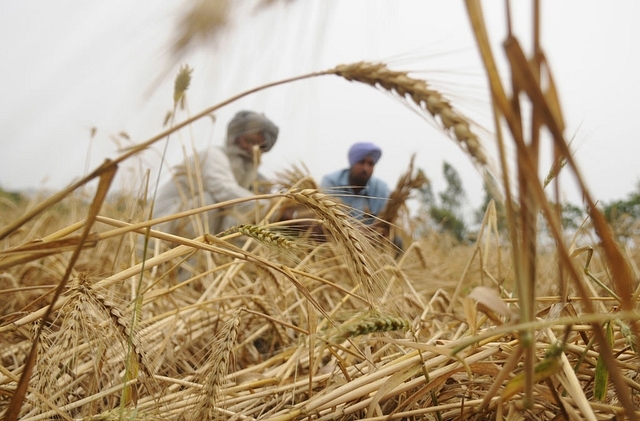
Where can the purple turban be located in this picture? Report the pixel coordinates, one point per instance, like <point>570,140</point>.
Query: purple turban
<point>360,150</point>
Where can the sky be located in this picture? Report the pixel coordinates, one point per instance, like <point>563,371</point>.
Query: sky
<point>71,67</point>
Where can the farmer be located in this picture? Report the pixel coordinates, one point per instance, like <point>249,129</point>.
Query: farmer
<point>219,174</point>
<point>355,186</point>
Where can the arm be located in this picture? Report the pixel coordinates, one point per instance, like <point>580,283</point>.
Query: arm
<point>219,181</point>
<point>218,178</point>
<point>380,192</point>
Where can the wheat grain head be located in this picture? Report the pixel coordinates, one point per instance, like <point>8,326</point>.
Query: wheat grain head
<point>426,98</point>
<point>348,233</point>
<point>269,238</point>
<point>218,364</point>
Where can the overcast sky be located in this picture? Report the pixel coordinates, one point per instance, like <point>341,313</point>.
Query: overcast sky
<point>70,66</point>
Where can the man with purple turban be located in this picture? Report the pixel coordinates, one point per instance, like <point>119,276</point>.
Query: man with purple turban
<point>219,174</point>
<point>355,186</point>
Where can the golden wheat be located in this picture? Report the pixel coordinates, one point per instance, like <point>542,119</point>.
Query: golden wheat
<point>122,326</point>
<point>459,365</point>
<point>83,344</point>
<point>181,84</point>
<point>268,237</point>
<point>199,23</point>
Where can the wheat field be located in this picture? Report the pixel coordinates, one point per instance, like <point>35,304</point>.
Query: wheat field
<point>104,317</point>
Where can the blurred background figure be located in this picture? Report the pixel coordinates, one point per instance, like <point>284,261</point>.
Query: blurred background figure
<point>219,174</point>
<point>356,186</point>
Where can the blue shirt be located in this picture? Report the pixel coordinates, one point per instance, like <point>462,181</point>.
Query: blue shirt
<point>370,200</point>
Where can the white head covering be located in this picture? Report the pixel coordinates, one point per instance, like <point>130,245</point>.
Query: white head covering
<point>248,122</point>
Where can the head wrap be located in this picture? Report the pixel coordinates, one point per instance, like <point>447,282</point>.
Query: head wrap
<point>360,150</point>
<point>249,122</point>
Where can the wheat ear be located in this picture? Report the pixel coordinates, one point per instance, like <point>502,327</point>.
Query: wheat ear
<point>267,237</point>
<point>119,321</point>
<point>55,360</point>
<point>218,361</point>
<point>369,323</point>
<point>344,229</point>
<point>398,197</point>
<point>379,75</point>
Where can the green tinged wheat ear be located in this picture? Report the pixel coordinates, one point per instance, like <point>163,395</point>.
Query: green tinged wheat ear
<point>549,366</point>
<point>267,237</point>
<point>629,337</point>
<point>269,309</point>
<point>379,75</point>
<point>555,169</point>
<point>369,323</point>
<point>181,84</point>
<point>218,365</point>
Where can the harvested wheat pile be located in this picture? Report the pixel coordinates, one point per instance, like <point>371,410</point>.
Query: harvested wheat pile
<point>278,327</point>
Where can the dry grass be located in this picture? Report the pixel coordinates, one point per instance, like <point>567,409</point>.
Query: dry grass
<point>270,326</point>
<point>245,339</point>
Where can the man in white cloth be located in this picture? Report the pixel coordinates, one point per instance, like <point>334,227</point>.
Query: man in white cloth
<point>219,174</point>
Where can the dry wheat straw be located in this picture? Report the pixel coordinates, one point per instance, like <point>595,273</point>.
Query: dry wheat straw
<point>379,75</point>
<point>268,308</point>
<point>393,384</point>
